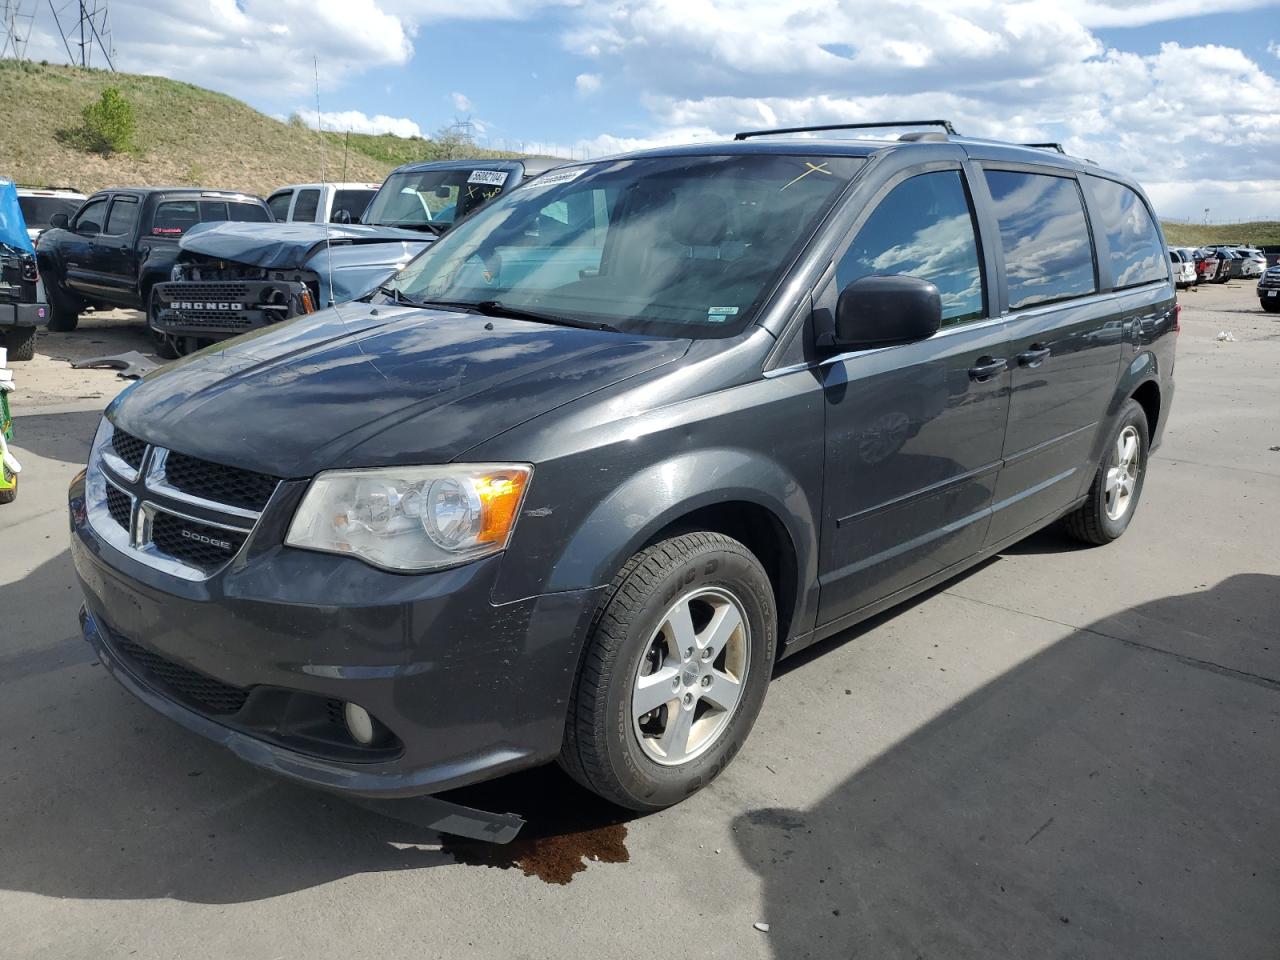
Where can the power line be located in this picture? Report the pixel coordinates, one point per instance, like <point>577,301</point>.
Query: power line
<point>88,28</point>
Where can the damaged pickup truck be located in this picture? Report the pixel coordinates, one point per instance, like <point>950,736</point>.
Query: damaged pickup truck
<point>231,278</point>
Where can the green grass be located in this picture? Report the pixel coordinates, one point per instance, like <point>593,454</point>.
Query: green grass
<point>1257,234</point>
<point>185,136</point>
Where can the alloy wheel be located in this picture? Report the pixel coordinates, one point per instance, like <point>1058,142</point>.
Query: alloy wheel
<point>1122,475</point>
<point>690,680</point>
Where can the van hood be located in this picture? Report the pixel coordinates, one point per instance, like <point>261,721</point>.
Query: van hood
<point>361,385</point>
<point>276,246</point>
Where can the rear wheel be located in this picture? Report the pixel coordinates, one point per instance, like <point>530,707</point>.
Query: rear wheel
<point>1270,304</point>
<point>675,672</point>
<point>1117,486</point>
<point>64,309</point>
<point>21,343</point>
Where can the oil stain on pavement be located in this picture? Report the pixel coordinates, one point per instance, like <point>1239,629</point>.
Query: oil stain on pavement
<point>566,827</point>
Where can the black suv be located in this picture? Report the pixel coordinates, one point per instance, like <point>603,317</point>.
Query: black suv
<point>123,241</point>
<point>583,471</point>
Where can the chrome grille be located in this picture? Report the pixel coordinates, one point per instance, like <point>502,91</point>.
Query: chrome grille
<point>180,514</point>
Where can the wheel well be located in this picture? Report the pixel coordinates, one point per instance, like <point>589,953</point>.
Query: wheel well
<point>1148,397</point>
<point>761,532</point>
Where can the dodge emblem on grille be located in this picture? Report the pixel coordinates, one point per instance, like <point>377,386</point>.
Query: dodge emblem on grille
<point>220,544</point>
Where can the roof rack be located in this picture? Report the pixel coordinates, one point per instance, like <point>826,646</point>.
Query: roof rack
<point>944,124</point>
<point>1046,146</point>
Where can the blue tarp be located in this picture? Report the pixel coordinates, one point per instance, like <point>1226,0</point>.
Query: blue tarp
<point>13,228</point>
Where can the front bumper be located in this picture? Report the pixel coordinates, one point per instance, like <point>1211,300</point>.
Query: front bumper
<point>23,314</point>
<point>468,689</point>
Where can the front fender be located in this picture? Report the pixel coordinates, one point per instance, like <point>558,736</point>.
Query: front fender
<point>660,495</point>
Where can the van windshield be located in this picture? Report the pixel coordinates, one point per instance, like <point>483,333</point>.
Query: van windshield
<point>429,200</point>
<point>678,246</point>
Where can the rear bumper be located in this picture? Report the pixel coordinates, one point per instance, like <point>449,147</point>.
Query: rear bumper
<point>225,308</point>
<point>468,689</point>
<point>23,314</point>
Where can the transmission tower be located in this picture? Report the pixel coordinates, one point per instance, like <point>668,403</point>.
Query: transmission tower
<point>16,24</point>
<point>85,26</point>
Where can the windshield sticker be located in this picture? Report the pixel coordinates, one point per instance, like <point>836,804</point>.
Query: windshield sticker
<point>492,178</point>
<point>813,168</point>
<point>720,314</point>
<point>559,176</point>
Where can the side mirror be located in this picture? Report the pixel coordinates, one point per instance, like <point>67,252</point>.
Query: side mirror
<point>881,311</point>
<point>342,216</point>
<point>59,220</point>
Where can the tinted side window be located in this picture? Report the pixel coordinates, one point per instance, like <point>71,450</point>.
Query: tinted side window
<point>923,228</point>
<point>279,204</point>
<point>247,213</point>
<point>123,217</point>
<point>1048,254</point>
<point>304,210</point>
<point>353,202</point>
<point>1131,234</point>
<point>91,217</point>
<point>174,217</point>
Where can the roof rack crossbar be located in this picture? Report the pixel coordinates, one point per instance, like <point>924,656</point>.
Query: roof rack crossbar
<point>944,124</point>
<point>1048,145</point>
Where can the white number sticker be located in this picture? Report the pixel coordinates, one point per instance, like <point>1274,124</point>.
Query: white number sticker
<point>490,178</point>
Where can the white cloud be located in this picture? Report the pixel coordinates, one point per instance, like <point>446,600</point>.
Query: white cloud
<point>357,122</point>
<point>587,83</point>
<point>251,46</point>
<point>460,102</point>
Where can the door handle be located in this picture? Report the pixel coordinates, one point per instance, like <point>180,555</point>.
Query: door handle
<point>1035,356</point>
<point>986,368</point>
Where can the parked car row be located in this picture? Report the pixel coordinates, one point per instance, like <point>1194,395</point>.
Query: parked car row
<point>1214,264</point>
<point>205,265</point>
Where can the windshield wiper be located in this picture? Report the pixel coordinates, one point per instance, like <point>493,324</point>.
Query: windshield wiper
<point>399,297</point>
<point>431,226</point>
<point>496,308</point>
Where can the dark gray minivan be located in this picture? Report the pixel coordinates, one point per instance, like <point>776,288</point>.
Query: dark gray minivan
<point>570,484</point>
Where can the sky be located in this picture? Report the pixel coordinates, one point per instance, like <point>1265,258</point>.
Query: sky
<point>1186,101</point>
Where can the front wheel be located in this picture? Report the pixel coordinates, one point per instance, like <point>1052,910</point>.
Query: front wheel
<point>1117,486</point>
<point>64,309</point>
<point>675,672</point>
<point>166,345</point>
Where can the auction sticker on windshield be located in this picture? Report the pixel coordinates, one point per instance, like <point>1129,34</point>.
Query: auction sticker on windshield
<point>491,178</point>
<point>559,176</point>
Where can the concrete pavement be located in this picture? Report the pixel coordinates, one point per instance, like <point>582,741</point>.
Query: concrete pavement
<point>1065,753</point>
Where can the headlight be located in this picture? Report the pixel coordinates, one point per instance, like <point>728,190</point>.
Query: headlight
<point>412,518</point>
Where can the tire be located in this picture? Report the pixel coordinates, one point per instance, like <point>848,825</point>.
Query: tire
<point>1271,306</point>
<point>21,343</point>
<point>64,309</point>
<point>165,344</point>
<point>621,757</point>
<point>1097,521</point>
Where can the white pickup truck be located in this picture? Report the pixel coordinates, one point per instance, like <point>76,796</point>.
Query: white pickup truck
<point>321,202</point>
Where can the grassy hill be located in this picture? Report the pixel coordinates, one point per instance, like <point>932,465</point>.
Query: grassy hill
<point>185,135</point>
<point>1259,233</point>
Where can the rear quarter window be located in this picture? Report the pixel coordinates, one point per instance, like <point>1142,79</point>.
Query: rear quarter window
<point>304,209</point>
<point>1136,248</point>
<point>1048,252</point>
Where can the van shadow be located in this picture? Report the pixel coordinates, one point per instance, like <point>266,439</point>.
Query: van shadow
<point>1101,799</point>
<point>65,437</point>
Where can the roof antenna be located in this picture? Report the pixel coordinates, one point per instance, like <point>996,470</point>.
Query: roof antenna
<point>328,247</point>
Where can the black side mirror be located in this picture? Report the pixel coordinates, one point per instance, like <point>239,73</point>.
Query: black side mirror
<point>341,216</point>
<point>881,311</point>
<point>59,220</point>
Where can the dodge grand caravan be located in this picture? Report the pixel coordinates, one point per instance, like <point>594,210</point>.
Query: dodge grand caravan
<point>570,483</point>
